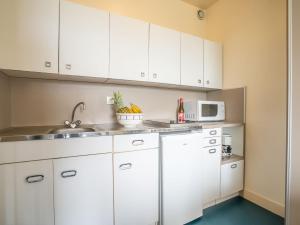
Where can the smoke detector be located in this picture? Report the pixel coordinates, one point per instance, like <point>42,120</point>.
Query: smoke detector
<point>201,14</point>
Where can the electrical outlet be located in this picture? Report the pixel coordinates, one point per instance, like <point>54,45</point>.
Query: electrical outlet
<point>109,100</point>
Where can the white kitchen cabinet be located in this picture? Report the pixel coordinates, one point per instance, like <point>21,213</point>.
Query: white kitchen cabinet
<point>29,35</point>
<point>136,187</point>
<point>129,42</point>
<point>232,178</point>
<point>26,193</point>
<point>164,55</point>
<point>83,188</point>
<point>213,65</point>
<point>84,40</point>
<point>191,60</point>
<point>133,142</point>
<point>211,176</point>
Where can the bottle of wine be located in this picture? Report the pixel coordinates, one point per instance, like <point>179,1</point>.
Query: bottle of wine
<point>180,113</point>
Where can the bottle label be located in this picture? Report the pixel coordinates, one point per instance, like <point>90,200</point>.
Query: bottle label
<point>180,117</point>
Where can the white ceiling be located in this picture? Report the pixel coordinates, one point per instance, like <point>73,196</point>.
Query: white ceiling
<point>202,4</point>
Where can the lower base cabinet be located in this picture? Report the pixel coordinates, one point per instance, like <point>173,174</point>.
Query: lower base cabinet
<point>232,178</point>
<point>136,187</point>
<point>67,191</point>
<point>26,193</point>
<point>83,188</point>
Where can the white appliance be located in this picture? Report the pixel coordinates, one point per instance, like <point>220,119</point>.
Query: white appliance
<point>204,110</point>
<point>226,145</point>
<point>181,178</point>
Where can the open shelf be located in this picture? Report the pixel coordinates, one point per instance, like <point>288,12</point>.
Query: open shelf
<point>231,159</point>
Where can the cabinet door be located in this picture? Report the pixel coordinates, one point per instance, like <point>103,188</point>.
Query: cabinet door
<point>128,48</point>
<point>211,176</point>
<point>164,55</point>
<point>29,35</point>
<point>26,194</point>
<point>232,178</point>
<point>84,40</point>
<point>136,187</point>
<point>191,60</point>
<point>213,65</point>
<point>83,188</point>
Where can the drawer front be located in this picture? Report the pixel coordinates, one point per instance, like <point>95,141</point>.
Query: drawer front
<point>133,142</point>
<point>232,178</point>
<point>216,132</point>
<point>21,151</point>
<point>213,141</point>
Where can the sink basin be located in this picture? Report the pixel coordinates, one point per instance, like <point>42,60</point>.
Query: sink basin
<point>71,130</point>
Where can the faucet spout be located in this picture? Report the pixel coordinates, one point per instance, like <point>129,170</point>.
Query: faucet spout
<point>75,108</point>
<point>74,124</point>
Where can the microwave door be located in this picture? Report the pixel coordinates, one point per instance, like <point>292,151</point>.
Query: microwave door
<point>208,112</point>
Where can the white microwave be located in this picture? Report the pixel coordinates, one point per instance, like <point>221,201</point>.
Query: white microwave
<point>204,110</point>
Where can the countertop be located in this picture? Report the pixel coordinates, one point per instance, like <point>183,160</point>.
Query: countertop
<point>43,132</point>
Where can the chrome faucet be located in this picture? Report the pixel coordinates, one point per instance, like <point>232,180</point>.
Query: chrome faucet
<point>75,124</point>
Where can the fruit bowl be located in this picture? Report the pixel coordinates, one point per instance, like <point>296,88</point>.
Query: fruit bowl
<point>130,120</point>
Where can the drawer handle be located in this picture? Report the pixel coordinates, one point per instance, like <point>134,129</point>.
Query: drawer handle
<point>233,166</point>
<point>68,173</point>
<point>213,132</point>
<point>138,142</point>
<point>212,151</point>
<point>68,66</point>
<point>34,179</point>
<point>47,64</point>
<point>212,141</point>
<point>125,166</point>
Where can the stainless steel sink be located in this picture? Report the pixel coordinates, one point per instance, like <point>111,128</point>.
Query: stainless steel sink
<point>71,130</point>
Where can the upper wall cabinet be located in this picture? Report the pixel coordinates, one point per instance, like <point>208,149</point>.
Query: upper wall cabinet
<point>84,40</point>
<point>29,35</point>
<point>129,41</point>
<point>213,65</point>
<point>164,55</point>
<point>191,60</point>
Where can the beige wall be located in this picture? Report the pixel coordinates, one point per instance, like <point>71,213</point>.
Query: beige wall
<point>254,37</point>
<point>293,216</point>
<point>4,102</point>
<point>42,102</point>
<point>174,14</point>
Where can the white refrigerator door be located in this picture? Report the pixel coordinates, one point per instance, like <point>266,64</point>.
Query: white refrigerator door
<point>181,178</point>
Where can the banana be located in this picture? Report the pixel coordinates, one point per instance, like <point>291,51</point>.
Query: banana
<point>135,108</point>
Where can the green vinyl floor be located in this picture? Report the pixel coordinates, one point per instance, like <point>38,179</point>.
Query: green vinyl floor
<point>238,211</point>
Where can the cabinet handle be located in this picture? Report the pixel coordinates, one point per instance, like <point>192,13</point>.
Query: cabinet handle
<point>207,82</point>
<point>48,64</point>
<point>199,81</point>
<point>142,74</point>
<point>212,141</point>
<point>233,166</point>
<point>213,132</point>
<point>154,75</point>
<point>138,142</point>
<point>68,66</point>
<point>68,173</point>
<point>125,166</point>
<point>212,151</point>
<point>34,179</point>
